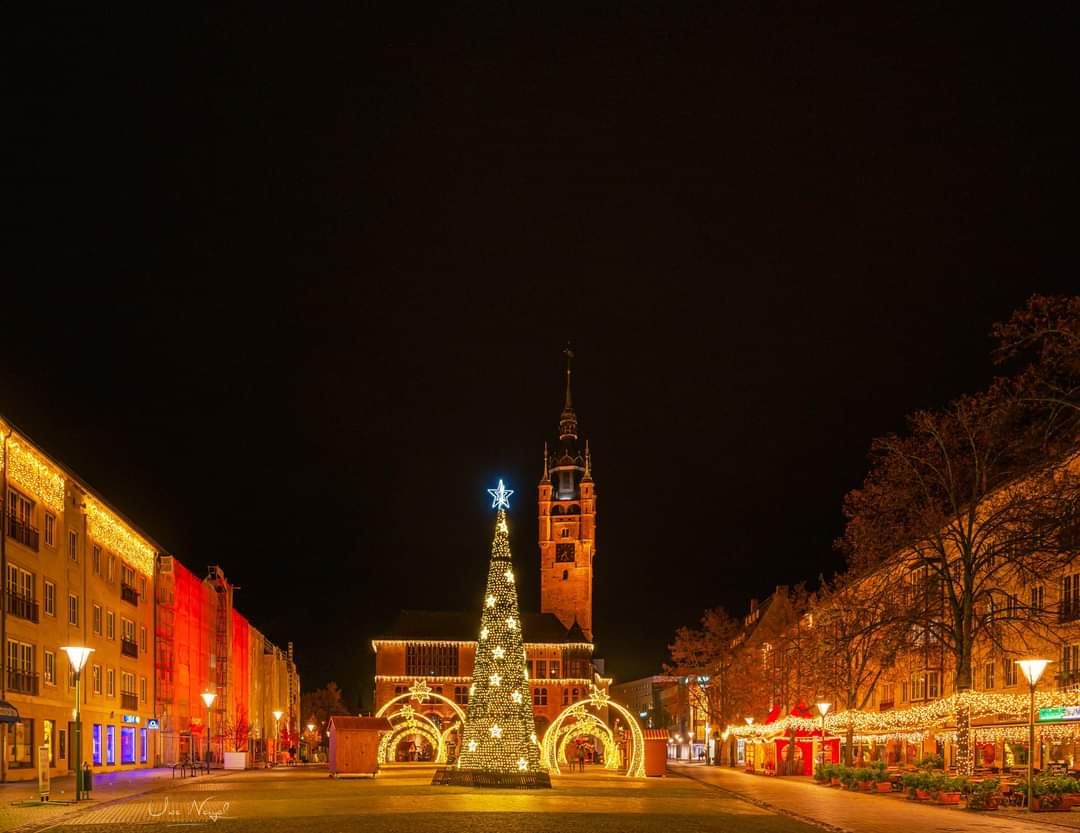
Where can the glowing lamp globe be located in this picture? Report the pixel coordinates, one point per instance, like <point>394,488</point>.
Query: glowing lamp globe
<point>208,697</point>
<point>277,714</point>
<point>749,721</point>
<point>77,656</point>
<point>823,708</point>
<point>1032,668</point>
<point>311,727</point>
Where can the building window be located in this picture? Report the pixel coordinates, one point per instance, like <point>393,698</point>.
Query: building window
<point>1037,598</point>
<point>142,638</point>
<point>540,697</point>
<point>97,618</point>
<point>73,545</point>
<point>110,625</point>
<point>142,746</point>
<point>110,744</point>
<point>20,744</point>
<point>576,695</point>
<point>20,667</point>
<point>110,682</point>
<point>461,695</point>
<point>50,668</point>
<point>1070,665</point>
<point>142,689</point>
<point>127,575</point>
<point>97,560</point>
<point>142,587</point>
<point>425,658</point>
<point>565,575</point>
<point>97,744</point>
<point>988,675</point>
<point>127,629</point>
<point>1008,672</point>
<point>95,674</point>
<point>399,689</point>
<point>50,529</point>
<point>50,739</point>
<point>73,610</point>
<point>541,669</point>
<point>554,669</point>
<point>566,697</point>
<point>110,567</point>
<point>565,532</point>
<point>20,589</point>
<point>127,744</point>
<point>925,685</point>
<point>50,598</point>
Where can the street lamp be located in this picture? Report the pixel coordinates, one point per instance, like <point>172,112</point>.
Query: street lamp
<point>824,709</point>
<point>77,656</point>
<point>690,746</point>
<point>277,717</point>
<point>1032,669</point>
<point>311,733</point>
<point>208,697</point>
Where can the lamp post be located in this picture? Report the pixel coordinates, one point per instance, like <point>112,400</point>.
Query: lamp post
<point>824,709</point>
<point>311,734</point>
<point>77,656</point>
<point>208,697</point>
<point>277,718</point>
<point>690,747</point>
<point>1032,669</point>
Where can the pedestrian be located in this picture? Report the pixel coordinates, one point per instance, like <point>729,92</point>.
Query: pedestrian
<point>581,758</point>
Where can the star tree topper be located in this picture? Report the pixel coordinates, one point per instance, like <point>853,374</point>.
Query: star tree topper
<point>500,497</point>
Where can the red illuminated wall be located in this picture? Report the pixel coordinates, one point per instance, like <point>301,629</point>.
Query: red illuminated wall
<point>191,646</point>
<point>239,676</point>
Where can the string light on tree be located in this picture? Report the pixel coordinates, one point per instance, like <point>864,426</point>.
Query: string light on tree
<point>499,733</point>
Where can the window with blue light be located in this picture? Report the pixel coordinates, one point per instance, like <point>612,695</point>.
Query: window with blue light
<point>110,744</point>
<point>97,744</point>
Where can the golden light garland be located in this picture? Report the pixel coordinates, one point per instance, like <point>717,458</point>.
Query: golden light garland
<point>32,472</point>
<point>110,531</point>
<point>590,725</point>
<point>940,712</point>
<point>414,693</point>
<point>635,767</point>
<point>410,723</point>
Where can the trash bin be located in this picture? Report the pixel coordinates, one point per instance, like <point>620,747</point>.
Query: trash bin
<point>87,779</point>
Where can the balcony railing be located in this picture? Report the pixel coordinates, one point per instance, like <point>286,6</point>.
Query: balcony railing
<point>885,705</point>
<point>129,648</point>
<point>22,532</point>
<point>129,700</point>
<point>22,682</point>
<point>1068,679</point>
<point>129,594</point>
<point>24,607</point>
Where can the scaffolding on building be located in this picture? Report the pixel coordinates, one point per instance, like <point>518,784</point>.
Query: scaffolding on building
<point>165,651</point>
<point>219,658</point>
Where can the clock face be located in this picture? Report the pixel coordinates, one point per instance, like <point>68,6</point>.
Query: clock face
<point>564,552</point>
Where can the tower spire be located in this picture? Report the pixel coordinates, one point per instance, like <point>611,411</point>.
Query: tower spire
<point>568,419</point>
<point>547,477</point>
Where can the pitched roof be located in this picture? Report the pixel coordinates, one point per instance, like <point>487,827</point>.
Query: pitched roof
<point>462,626</point>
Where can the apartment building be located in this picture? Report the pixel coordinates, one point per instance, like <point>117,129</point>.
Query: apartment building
<point>76,572</point>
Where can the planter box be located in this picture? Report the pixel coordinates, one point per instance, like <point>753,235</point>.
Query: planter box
<point>1037,806</point>
<point>835,782</point>
<point>236,760</point>
<point>922,795</point>
<point>948,798</point>
<point>866,786</point>
<point>884,787</point>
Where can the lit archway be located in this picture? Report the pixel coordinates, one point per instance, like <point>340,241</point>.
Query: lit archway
<point>590,726</point>
<point>410,723</point>
<point>421,691</point>
<point>635,767</point>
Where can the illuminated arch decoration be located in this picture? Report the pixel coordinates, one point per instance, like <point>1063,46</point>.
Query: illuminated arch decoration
<point>455,726</point>
<point>421,691</point>
<point>587,724</point>
<point>635,767</point>
<point>411,724</point>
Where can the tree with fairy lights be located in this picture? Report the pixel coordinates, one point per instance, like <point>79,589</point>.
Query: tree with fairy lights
<point>500,735</point>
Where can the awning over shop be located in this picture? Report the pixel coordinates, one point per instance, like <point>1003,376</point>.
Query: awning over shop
<point>8,713</point>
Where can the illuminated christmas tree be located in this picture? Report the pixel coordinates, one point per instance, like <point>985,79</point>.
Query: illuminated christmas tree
<point>500,735</point>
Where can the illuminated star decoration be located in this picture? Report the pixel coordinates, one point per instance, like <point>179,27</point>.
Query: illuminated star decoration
<point>496,730</point>
<point>495,679</point>
<point>500,497</point>
<point>420,690</point>
<point>483,633</point>
<point>516,696</point>
<point>498,652</point>
<point>472,745</point>
<point>522,763</point>
<point>509,576</point>
<point>511,623</point>
<point>491,601</point>
<point>598,697</point>
<point>407,712</point>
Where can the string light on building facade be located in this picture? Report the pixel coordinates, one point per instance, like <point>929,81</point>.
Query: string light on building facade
<point>31,471</point>
<point>110,531</point>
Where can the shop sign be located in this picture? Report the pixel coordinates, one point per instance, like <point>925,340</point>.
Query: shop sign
<point>152,723</point>
<point>1059,713</point>
<point>132,718</point>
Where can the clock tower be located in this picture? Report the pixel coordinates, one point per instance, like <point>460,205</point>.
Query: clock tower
<point>567,502</point>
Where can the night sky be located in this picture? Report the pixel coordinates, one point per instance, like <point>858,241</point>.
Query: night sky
<point>291,289</point>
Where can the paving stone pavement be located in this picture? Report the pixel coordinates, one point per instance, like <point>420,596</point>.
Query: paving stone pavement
<point>841,810</point>
<point>402,799</point>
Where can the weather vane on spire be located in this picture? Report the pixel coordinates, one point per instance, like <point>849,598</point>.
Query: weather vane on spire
<point>500,497</point>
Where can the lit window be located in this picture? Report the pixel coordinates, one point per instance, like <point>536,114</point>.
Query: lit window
<point>50,668</point>
<point>50,529</point>
<point>73,609</point>
<point>50,598</point>
<point>73,545</point>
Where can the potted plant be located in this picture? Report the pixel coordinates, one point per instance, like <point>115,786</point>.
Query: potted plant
<point>241,729</point>
<point>864,777</point>
<point>983,796</point>
<point>849,779</point>
<point>934,761</point>
<point>918,785</point>
<point>949,790</point>
<point>1049,793</point>
<point>881,779</point>
<point>836,772</point>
